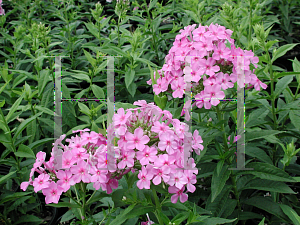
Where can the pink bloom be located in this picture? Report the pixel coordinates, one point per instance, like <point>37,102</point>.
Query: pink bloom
<point>207,66</point>
<point>65,179</point>
<point>196,142</point>
<point>161,86</point>
<point>127,159</point>
<point>68,160</point>
<point>80,172</point>
<point>77,144</point>
<point>221,51</point>
<point>214,93</point>
<point>257,83</point>
<point>98,174</point>
<point>178,86</point>
<point>145,178</point>
<point>224,80</point>
<point>24,185</point>
<point>79,155</point>
<point>191,180</point>
<point>165,162</point>
<point>167,142</point>
<point>112,183</point>
<point>52,193</point>
<point>178,178</point>
<point>178,193</point>
<point>148,154</point>
<point>89,138</point>
<point>120,117</point>
<point>136,140</point>
<point>159,127</point>
<point>41,182</point>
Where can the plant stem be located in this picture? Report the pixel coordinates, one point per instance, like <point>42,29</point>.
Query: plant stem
<point>221,117</point>
<point>250,25</point>
<point>91,197</point>
<point>158,208</point>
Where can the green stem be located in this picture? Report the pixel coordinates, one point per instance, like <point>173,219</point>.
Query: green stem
<point>221,117</point>
<point>250,25</point>
<point>158,208</point>
<point>83,187</point>
<point>33,112</point>
<point>119,32</point>
<point>88,201</point>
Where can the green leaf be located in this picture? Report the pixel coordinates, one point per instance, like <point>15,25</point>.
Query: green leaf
<point>281,51</point>
<point>120,219</point>
<point>43,80</point>
<point>67,216</point>
<point>262,222</point>
<point>179,218</point>
<point>3,87</point>
<point>152,4</point>
<point>98,92</point>
<point>44,110</point>
<point>129,76</point>
<point>252,150</point>
<point>282,84</point>
<point>80,127</point>
<point>268,205</point>
<point>84,109</point>
<point>119,51</point>
<point>89,57</point>
<point>29,219</point>
<point>250,136</point>
<point>291,214</point>
<point>93,29</point>
<point>218,181</point>
<point>295,119</point>
<point>23,125</point>
<point>6,177</point>
<point>268,172</point>
<point>296,68</point>
<point>25,151</point>
<point>146,61</point>
<point>64,204</point>
<point>14,108</point>
<point>217,220</point>
<point>132,89</point>
<point>268,185</point>
<point>218,204</point>
<point>82,77</point>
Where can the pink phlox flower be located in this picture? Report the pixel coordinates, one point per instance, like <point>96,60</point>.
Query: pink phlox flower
<point>80,172</point>
<point>216,32</point>
<point>98,174</point>
<point>52,193</point>
<point>180,128</point>
<point>200,34</point>
<point>221,51</point>
<point>167,142</point>
<point>145,178</point>
<point>177,193</point>
<point>79,155</point>
<point>65,179</point>
<point>136,140</point>
<point>112,183</point>
<point>190,166</point>
<point>214,93</point>
<point>165,162</point>
<point>161,173</point>
<point>178,179</point>
<point>127,159</point>
<point>89,138</point>
<point>224,80</point>
<point>40,159</point>
<point>207,65</point>
<point>41,182</point>
<point>191,179</point>
<point>257,83</point>
<point>121,117</point>
<point>84,130</point>
<point>24,185</point>
<point>161,86</point>
<point>196,142</point>
<point>77,144</point>
<point>68,160</point>
<point>147,155</point>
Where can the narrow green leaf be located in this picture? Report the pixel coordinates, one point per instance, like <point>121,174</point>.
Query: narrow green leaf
<point>296,68</point>
<point>250,136</point>
<point>82,77</point>
<point>268,172</point>
<point>282,84</point>
<point>89,57</point>
<point>218,181</point>
<point>23,125</point>
<point>295,119</point>
<point>64,204</point>
<point>120,219</point>
<point>262,222</point>
<point>7,176</point>
<point>25,151</point>
<point>84,109</point>
<point>291,214</point>
<point>129,76</point>
<point>268,205</point>
<point>146,61</point>
<point>217,220</point>
<point>282,50</point>
<point>268,185</point>
<point>14,108</point>
<point>44,110</point>
<point>98,92</point>
<point>28,219</point>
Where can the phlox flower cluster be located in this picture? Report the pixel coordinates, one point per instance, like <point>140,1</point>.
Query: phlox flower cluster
<point>201,56</point>
<point>149,141</point>
<point>2,12</point>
